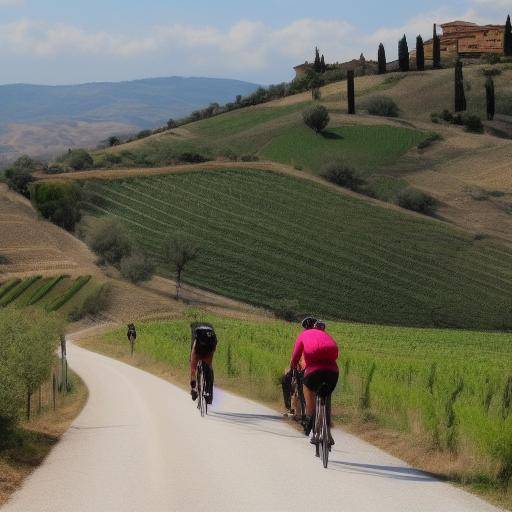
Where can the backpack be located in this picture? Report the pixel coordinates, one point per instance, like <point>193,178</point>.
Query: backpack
<point>205,339</point>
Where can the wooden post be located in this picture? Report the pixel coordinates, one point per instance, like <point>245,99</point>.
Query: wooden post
<point>351,92</point>
<point>54,391</point>
<point>40,400</point>
<point>29,396</point>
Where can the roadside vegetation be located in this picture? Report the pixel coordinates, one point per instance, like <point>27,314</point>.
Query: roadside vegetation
<point>266,238</point>
<point>429,402</point>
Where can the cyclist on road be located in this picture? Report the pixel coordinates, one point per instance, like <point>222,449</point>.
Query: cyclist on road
<point>132,333</point>
<point>286,379</point>
<point>202,348</point>
<point>320,353</point>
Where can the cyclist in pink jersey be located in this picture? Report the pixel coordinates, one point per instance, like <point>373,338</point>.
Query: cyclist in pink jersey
<point>320,353</point>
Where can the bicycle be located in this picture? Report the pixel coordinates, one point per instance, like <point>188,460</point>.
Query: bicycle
<point>322,428</point>
<point>203,392</point>
<point>298,394</point>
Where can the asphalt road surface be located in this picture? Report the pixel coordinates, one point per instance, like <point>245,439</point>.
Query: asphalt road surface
<point>141,445</point>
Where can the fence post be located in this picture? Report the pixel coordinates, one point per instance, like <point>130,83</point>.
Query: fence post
<point>54,391</point>
<point>29,396</point>
<point>64,361</point>
<point>40,400</point>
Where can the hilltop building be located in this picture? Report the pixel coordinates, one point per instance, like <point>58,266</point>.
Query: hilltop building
<point>353,65</point>
<point>467,40</point>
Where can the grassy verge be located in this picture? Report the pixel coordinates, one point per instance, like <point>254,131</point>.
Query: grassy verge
<point>407,406</point>
<point>37,437</point>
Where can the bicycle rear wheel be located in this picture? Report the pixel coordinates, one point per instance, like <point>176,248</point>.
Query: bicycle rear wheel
<point>324,437</point>
<point>201,401</point>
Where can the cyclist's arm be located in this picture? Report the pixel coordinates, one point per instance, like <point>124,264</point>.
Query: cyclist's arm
<point>298,349</point>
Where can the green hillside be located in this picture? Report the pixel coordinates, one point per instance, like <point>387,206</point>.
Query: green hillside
<point>267,238</point>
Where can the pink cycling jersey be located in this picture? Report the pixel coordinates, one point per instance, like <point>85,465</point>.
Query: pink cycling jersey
<point>319,349</point>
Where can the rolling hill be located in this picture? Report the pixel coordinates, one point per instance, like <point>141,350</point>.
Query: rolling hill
<point>44,120</point>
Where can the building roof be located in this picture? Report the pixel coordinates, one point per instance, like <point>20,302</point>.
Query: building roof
<point>459,23</point>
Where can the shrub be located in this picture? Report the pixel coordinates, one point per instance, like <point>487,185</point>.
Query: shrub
<point>491,71</point>
<point>418,201</point>
<point>171,124</point>
<point>4,260</point>
<point>316,118</point>
<point>143,134</point>
<point>249,158</point>
<point>137,268</point>
<point>55,169</point>
<point>434,117</point>
<point>382,106</point>
<point>44,289</point>
<point>431,138</point>
<point>473,124</point>
<point>490,58</point>
<point>93,304</point>
<point>192,158</point>
<point>108,238</point>
<point>59,202</point>
<point>113,141</point>
<point>447,116</point>
<point>77,159</point>
<point>113,158</point>
<point>342,175</point>
<point>19,180</point>
<point>8,286</point>
<point>16,291</point>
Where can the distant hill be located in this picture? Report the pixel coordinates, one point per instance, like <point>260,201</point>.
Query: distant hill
<point>41,119</point>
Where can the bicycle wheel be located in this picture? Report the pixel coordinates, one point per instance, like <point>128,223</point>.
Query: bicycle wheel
<point>316,426</point>
<point>202,387</point>
<point>325,445</point>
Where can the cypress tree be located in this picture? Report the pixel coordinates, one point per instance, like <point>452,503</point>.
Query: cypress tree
<point>351,92</point>
<point>403,54</point>
<point>317,65</point>
<point>382,59</point>
<point>507,38</point>
<point>323,67</point>
<point>490,97</point>
<point>460,97</point>
<point>436,49</point>
<point>420,54</point>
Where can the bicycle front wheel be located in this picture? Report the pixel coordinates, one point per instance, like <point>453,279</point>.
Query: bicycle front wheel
<point>325,446</point>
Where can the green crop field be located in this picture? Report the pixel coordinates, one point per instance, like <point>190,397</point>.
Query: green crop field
<point>365,147</point>
<point>423,381</point>
<point>268,239</point>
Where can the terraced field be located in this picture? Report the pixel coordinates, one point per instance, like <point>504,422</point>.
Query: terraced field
<point>267,239</point>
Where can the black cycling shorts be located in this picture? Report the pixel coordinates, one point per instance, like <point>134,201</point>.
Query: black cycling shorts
<point>314,380</point>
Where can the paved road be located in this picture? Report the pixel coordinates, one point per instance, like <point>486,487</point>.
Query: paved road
<point>140,445</point>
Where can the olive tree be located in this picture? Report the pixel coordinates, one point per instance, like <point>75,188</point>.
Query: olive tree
<point>178,253</point>
<point>316,118</point>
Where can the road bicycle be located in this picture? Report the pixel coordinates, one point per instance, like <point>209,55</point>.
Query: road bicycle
<point>322,429</point>
<point>203,388</point>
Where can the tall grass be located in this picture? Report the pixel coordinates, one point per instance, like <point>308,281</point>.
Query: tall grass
<point>452,389</point>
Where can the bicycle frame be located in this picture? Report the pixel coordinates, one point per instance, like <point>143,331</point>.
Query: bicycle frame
<point>298,393</point>
<point>321,428</point>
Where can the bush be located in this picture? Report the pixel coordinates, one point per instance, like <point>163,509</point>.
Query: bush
<point>113,141</point>
<point>79,283</point>
<point>491,71</point>
<point>192,158</point>
<point>490,58</point>
<point>55,169</point>
<point>382,106</point>
<point>16,291</point>
<point>93,304</point>
<point>342,175</point>
<point>316,118</point>
<point>59,202</point>
<point>44,289</point>
<point>473,124</point>
<point>108,238</point>
<point>137,268</point>
<point>447,116</point>
<point>77,159</point>
<point>418,201</point>
<point>434,117</point>
<point>144,134</point>
<point>19,180</point>
<point>431,138</point>
<point>113,158</point>
<point>249,158</point>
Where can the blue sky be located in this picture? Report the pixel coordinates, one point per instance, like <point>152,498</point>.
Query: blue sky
<point>73,41</point>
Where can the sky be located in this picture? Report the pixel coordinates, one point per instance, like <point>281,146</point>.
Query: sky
<point>76,41</point>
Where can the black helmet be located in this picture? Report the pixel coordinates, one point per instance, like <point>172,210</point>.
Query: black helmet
<point>319,324</point>
<point>308,322</point>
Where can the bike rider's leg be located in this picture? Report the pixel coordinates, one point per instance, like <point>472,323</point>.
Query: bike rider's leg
<point>286,384</point>
<point>193,368</point>
<point>310,397</point>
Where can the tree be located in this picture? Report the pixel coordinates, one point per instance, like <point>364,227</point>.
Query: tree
<point>19,180</point>
<point>178,253</point>
<point>420,54</point>
<point>507,38</point>
<point>323,67</point>
<point>113,141</point>
<point>460,97</point>
<point>403,54</point>
<point>108,238</point>
<point>317,66</point>
<point>171,123</point>
<point>436,49</point>
<point>316,118</point>
<point>137,268</point>
<point>77,159</point>
<point>351,97</point>
<point>382,59</point>
<point>490,98</point>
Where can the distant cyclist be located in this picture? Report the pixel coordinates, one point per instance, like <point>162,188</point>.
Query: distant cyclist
<point>132,333</point>
<point>320,353</point>
<point>202,348</point>
<point>286,379</point>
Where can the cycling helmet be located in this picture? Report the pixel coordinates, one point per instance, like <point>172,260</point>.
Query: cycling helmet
<point>309,322</point>
<point>319,324</point>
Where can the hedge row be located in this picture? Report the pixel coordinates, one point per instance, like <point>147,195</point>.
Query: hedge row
<point>44,289</point>
<point>15,292</point>
<point>79,283</point>
<point>8,285</point>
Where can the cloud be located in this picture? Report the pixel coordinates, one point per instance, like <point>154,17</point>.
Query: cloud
<point>12,3</point>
